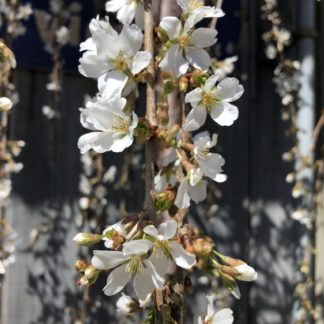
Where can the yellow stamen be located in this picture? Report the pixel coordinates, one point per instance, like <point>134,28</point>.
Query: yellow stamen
<point>135,265</point>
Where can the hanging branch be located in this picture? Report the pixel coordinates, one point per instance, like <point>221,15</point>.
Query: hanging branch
<point>150,108</point>
<point>159,256</point>
<point>286,79</point>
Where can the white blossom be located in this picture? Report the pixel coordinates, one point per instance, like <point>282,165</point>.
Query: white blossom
<point>191,187</point>
<point>186,46</point>
<point>194,11</point>
<point>110,231</point>
<point>215,100</point>
<point>107,51</point>
<point>112,129</point>
<point>127,11</point>
<point>62,35</point>
<point>225,67</point>
<point>129,264</point>
<point>5,104</point>
<point>224,316</point>
<point>210,163</point>
<point>166,248</point>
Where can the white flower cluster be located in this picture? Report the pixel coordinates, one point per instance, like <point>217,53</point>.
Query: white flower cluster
<point>144,261</point>
<point>137,250</point>
<point>13,16</point>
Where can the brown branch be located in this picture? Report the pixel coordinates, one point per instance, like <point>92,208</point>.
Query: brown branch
<point>317,130</point>
<point>150,108</point>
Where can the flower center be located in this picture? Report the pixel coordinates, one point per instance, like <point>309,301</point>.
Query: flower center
<point>184,41</point>
<point>121,62</point>
<point>208,100</point>
<point>194,4</point>
<point>135,265</point>
<point>122,125</point>
<point>161,247</point>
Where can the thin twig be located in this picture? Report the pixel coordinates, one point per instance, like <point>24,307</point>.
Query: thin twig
<point>317,131</point>
<point>218,5</point>
<point>150,108</point>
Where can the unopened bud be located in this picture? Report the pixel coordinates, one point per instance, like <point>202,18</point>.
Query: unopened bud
<point>81,265</point>
<point>84,282</point>
<point>87,239</point>
<point>143,131</point>
<point>203,247</point>
<point>162,113</point>
<point>5,104</point>
<point>91,273</point>
<point>183,84</point>
<point>164,200</point>
<point>198,78</point>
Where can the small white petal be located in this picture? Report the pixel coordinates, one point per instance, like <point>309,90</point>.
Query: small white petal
<point>168,229</point>
<point>104,260</point>
<point>194,97</point>
<point>137,247</point>
<point>198,58</point>
<point>195,119</point>
<point>141,60</point>
<point>229,89</point>
<point>126,13</point>
<point>198,192</point>
<point>131,38</point>
<point>112,84</point>
<point>210,82</point>
<point>151,230</point>
<point>172,26</point>
<point>181,257</point>
<point>117,280</point>
<point>224,316</point>
<point>182,200</point>
<point>114,5</point>
<point>203,37</point>
<point>224,114</point>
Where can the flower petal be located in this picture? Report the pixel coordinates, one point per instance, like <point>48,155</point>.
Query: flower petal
<point>140,61</point>
<point>151,230</point>
<point>126,13</point>
<point>93,65</point>
<point>224,316</point>
<point>224,114</point>
<point>168,229</point>
<point>198,192</point>
<point>182,200</point>
<point>229,89</point>
<point>146,281</point>
<point>112,84</point>
<point>194,97</point>
<point>195,119</point>
<point>210,82</point>
<point>117,280</point>
<point>105,260</point>
<point>203,37</point>
<point>172,26</point>
<point>114,5</point>
<point>131,37</point>
<point>100,142</point>
<point>181,257</point>
<point>137,247</point>
<point>198,58</point>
